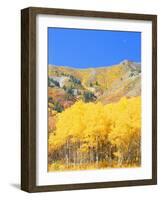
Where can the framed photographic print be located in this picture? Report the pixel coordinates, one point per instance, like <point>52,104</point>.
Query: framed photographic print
<point>88,99</point>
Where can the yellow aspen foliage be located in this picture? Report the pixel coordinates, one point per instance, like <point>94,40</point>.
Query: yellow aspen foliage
<point>93,133</point>
<point>126,125</point>
<point>126,117</point>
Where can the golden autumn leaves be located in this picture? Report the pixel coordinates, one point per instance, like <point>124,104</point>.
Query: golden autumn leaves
<point>93,135</point>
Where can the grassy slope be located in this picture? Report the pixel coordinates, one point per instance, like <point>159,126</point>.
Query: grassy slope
<point>111,83</point>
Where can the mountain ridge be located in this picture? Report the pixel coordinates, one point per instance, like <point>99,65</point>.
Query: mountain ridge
<point>125,61</point>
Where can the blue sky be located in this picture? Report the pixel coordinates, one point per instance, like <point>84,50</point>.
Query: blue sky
<point>92,48</point>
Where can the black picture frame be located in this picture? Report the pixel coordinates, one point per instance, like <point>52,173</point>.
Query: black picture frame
<point>28,98</point>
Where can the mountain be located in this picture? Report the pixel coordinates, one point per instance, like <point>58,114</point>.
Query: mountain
<point>106,84</point>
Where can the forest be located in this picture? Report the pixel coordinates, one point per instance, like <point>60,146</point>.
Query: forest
<point>93,135</point>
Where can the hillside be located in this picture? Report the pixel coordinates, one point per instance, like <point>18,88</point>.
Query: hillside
<point>107,84</point>
<point>86,134</point>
